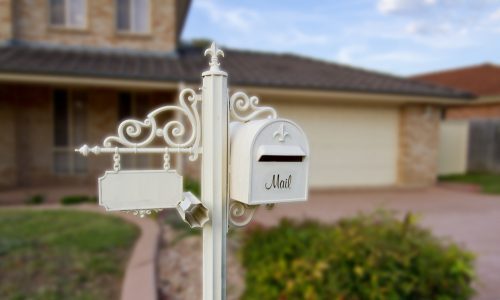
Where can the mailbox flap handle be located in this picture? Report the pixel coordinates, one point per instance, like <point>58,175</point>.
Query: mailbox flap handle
<point>278,153</point>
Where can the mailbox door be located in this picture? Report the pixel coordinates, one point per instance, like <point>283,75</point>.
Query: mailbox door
<point>280,164</point>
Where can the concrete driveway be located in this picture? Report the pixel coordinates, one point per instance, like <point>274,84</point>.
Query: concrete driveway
<point>468,218</point>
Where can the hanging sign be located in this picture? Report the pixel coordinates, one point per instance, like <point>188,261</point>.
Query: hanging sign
<point>140,189</point>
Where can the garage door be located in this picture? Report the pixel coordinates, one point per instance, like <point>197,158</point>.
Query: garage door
<point>350,145</point>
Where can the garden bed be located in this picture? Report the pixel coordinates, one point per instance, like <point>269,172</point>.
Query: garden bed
<point>180,262</point>
<point>375,256</point>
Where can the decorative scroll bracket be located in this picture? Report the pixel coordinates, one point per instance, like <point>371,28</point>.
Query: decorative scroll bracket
<point>240,214</point>
<point>134,136</point>
<point>130,137</point>
<point>243,109</point>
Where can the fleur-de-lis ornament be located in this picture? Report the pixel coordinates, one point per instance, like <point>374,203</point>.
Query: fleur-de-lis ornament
<point>214,53</point>
<point>281,133</point>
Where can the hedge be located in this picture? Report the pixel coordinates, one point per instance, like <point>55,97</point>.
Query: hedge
<point>367,257</point>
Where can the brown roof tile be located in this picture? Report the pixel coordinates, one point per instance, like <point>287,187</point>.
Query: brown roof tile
<point>245,68</point>
<point>482,80</point>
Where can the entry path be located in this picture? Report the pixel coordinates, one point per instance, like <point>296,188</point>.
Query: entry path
<point>468,218</point>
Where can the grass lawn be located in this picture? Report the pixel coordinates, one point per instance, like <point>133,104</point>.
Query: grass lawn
<point>490,183</point>
<point>62,254</point>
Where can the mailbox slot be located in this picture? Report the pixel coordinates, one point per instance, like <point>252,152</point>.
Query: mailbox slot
<point>277,153</point>
<point>281,158</point>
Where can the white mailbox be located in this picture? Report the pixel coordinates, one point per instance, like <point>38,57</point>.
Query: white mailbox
<point>269,162</point>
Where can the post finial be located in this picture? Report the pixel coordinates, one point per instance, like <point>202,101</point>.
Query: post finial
<point>214,52</point>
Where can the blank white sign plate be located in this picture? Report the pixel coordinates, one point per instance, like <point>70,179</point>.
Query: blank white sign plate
<point>140,189</point>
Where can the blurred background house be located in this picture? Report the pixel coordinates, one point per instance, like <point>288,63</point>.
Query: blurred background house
<point>470,132</point>
<point>71,70</point>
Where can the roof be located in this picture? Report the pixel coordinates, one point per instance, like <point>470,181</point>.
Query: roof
<point>482,80</point>
<point>245,68</point>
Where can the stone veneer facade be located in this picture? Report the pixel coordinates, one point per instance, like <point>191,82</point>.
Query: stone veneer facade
<point>27,20</point>
<point>418,145</point>
<point>5,20</point>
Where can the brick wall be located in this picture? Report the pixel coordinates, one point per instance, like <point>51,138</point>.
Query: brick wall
<point>33,133</point>
<point>418,145</point>
<point>32,25</point>
<point>483,111</point>
<point>5,20</point>
<point>102,119</point>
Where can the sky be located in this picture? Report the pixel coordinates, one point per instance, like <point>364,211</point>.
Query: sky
<point>402,37</point>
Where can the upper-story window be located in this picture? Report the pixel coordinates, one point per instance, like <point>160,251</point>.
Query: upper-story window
<point>133,16</point>
<point>68,13</point>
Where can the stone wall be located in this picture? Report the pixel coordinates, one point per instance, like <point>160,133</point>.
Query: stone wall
<point>32,25</point>
<point>418,145</point>
<point>102,119</point>
<point>5,20</point>
<point>33,133</point>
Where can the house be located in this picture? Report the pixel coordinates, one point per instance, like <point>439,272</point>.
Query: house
<point>70,70</point>
<point>470,139</point>
<point>481,80</point>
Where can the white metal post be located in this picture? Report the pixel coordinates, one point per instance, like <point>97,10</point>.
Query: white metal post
<point>214,179</point>
<point>125,190</point>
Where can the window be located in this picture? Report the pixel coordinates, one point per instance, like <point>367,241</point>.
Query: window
<point>70,123</point>
<point>68,13</point>
<point>133,16</point>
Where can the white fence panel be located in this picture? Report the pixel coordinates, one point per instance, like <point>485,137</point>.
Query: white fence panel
<point>453,145</point>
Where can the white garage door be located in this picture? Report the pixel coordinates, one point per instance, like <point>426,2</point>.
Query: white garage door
<point>350,145</point>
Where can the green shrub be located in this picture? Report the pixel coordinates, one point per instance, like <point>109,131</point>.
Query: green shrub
<point>77,199</point>
<point>35,199</point>
<point>367,257</point>
<point>193,186</point>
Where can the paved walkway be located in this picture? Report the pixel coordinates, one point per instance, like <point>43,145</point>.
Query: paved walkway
<point>469,218</point>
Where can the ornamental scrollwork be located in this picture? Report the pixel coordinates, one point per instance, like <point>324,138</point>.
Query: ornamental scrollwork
<point>240,214</point>
<point>130,132</point>
<point>244,108</point>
